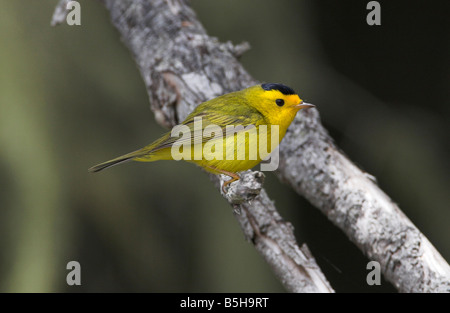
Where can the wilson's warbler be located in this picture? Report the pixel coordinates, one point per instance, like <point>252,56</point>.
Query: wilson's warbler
<point>263,106</point>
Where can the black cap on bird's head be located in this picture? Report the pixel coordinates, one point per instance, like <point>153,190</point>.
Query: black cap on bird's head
<point>285,90</point>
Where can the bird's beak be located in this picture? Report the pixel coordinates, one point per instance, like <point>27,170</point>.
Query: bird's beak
<point>304,105</point>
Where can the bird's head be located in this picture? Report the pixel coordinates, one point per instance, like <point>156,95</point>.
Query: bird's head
<point>276,102</point>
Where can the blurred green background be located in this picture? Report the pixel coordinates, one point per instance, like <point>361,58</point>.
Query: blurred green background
<point>71,97</point>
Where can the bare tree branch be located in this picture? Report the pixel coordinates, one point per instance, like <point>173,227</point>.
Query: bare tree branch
<point>182,66</point>
<point>351,199</point>
<point>272,236</point>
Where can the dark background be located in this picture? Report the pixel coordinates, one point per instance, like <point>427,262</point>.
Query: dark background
<point>71,97</point>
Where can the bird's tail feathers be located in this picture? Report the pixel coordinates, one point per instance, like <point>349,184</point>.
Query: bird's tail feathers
<point>119,160</point>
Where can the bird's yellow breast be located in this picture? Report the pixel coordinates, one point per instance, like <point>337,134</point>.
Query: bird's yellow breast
<point>238,152</point>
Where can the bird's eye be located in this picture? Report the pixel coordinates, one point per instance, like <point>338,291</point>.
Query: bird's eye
<point>280,102</point>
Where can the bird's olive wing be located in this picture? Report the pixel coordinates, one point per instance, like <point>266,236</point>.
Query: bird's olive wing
<point>215,121</point>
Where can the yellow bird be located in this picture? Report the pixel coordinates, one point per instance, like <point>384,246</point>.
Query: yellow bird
<point>228,134</point>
